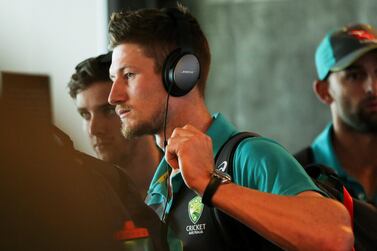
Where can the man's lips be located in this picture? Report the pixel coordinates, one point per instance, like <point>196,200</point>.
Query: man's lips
<point>371,104</point>
<point>122,112</point>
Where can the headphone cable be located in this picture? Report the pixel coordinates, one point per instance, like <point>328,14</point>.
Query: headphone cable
<point>167,166</point>
<point>165,119</point>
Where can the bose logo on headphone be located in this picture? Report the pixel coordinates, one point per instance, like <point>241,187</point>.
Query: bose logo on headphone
<point>188,72</point>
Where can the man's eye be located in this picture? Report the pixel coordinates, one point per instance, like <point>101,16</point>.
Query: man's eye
<point>110,111</point>
<point>85,115</point>
<point>129,75</point>
<point>356,75</point>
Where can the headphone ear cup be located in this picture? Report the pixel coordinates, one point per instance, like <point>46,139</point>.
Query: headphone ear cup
<point>181,71</point>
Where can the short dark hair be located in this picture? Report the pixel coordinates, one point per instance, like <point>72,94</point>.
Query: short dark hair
<point>156,32</point>
<point>87,72</point>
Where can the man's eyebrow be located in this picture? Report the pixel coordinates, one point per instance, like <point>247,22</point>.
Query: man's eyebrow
<point>119,70</point>
<point>97,107</point>
<point>81,109</point>
<point>353,67</point>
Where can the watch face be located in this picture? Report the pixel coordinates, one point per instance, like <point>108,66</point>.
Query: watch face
<point>225,178</point>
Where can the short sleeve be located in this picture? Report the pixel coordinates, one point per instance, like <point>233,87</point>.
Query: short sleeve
<point>263,164</point>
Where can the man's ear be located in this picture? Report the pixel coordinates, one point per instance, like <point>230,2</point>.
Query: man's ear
<point>321,89</point>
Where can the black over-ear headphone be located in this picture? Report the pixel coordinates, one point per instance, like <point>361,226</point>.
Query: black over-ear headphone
<point>181,69</point>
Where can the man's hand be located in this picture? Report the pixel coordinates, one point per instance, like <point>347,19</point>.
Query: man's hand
<point>190,150</point>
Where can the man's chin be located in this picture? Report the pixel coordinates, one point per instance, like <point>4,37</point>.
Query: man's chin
<point>369,121</point>
<point>105,156</point>
<point>133,129</point>
<point>133,132</point>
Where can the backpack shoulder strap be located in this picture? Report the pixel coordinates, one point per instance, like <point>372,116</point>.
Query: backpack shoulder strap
<point>236,236</point>
<point>224,157</point>
<point>305,156</point>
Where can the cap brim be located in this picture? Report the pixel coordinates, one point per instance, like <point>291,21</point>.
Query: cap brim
<point>351,58</point>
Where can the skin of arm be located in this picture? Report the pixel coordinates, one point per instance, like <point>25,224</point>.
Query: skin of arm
<point>307,221</point>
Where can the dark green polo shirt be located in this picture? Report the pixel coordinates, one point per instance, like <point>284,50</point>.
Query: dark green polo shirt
<point>323,153</point>
<point>259,163</point>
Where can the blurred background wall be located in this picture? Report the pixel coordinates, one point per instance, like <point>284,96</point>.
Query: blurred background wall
<point>263,61</point>
<point>262,55</point>
<point>50,37</point>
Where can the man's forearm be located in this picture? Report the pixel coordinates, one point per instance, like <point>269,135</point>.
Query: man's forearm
<point>307,221</point>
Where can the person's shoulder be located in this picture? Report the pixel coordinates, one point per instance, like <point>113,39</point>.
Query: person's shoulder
<point>260,145</point>
<point>263,150</point>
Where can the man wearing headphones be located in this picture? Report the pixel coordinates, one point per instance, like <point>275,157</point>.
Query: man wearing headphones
<point>346,61</point>
<point>89,87</point>
<point>159,69</point>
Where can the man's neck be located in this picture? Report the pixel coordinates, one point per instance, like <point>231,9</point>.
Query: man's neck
<point>356,152</point>
<point>195,114</point>
<point>141,162</point>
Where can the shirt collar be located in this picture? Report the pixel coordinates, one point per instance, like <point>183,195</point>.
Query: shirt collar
<point>220,131</point>
<point>324,152</point>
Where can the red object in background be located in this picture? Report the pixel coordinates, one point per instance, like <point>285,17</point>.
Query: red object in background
<point>362,35</point>
<point>130,232</point>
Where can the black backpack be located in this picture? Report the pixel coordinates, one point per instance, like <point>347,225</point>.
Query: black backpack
<point>364,214</point>
<point>237,235</point>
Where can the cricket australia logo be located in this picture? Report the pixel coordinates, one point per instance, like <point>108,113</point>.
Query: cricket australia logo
<point>195,209</point>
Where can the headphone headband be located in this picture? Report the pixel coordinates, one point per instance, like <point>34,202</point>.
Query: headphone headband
<point>183,39</point>
<point>181,69</point>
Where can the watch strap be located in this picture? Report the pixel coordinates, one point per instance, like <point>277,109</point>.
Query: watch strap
<point>210,190</point>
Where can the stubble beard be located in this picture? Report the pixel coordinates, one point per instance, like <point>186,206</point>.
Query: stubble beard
<point>141,128</point>
<point>361,120</point>
<point>368,121</point>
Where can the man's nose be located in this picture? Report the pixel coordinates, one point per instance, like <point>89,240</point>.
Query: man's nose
<point>372,85</point>
<point>96,127</point>
<point>118,93</point>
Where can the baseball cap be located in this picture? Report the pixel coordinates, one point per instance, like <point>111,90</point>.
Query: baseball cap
<point>340,48</point>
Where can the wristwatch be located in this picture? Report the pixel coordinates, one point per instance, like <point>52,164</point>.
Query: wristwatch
<point>217,178</point>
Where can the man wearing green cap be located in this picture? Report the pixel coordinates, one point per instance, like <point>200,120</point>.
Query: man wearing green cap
<point>346,62</point>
